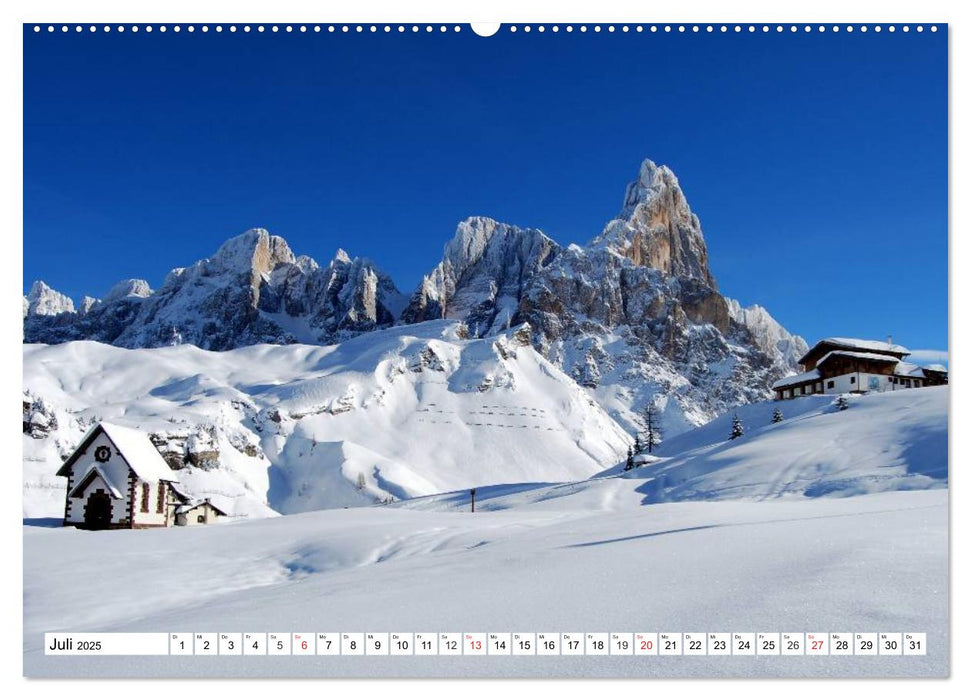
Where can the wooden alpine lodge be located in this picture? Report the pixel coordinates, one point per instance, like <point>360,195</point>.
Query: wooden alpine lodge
<point>852,365</point>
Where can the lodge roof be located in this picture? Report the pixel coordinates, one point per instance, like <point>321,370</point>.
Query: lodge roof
<point>797,379</point>
<point>908,369</point>
<point>871,356</point>
<point>858,344</point>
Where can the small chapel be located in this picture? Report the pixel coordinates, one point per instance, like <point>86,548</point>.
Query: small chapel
<point>116,479</point>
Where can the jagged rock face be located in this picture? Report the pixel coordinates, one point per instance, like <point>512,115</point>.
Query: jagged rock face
<point>483,275</point>
<point>633,316</point>
<point>253,290</point>
<point>44,301</point>
<point>768,334</point>
<point>656,228</point>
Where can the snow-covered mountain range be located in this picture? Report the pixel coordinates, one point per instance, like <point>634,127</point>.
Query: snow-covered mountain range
<point>634,316</point>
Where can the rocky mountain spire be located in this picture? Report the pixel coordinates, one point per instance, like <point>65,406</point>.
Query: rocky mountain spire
<point>656,227</point>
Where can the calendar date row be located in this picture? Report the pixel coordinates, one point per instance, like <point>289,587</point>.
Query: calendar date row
<point>488,644</point>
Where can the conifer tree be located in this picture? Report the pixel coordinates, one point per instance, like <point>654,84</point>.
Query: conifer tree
<point>653,435</point>
<point>737,429</point>
<point>630,460</point>
<point>777,416</point>
<point>638,447</point>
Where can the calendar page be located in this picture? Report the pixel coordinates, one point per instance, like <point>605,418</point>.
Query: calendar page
<point>519,350</point>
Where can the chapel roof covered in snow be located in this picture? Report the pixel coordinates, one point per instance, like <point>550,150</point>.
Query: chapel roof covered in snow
<point>133,445</point>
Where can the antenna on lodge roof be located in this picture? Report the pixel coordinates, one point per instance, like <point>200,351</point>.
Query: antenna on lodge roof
<point>889,340</point>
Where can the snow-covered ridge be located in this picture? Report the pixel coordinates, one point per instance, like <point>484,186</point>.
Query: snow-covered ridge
<point>768,333</point>
<point>388,415</point>
<point>252,290</point>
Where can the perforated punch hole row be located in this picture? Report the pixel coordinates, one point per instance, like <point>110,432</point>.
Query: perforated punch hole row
<point>483,30</point>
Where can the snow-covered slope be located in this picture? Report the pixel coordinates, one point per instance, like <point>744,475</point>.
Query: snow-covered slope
<point>869,563</point>
<point>758,542</point>
<point>388,415</point>
<point>895,441</point>
<point>884,442</point>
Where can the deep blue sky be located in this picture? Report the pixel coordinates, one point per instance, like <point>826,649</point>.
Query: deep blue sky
<point>817,163</point>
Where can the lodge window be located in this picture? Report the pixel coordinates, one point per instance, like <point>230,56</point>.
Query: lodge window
<point>830,384</point>
<point>200,518</point>
<point>852,380</point>
<point>145,490</point>
<point>160,504</point>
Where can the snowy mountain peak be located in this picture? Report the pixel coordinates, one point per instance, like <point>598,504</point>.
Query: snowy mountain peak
<point>483,275</point>
<point>479,236</point>
<point>341,256</point>
<point>127,288</point>
<point>253,251</point>
<point>650,180</point>
<point>656,227</point>
<point>87,303</point>
<point>44,301</point>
